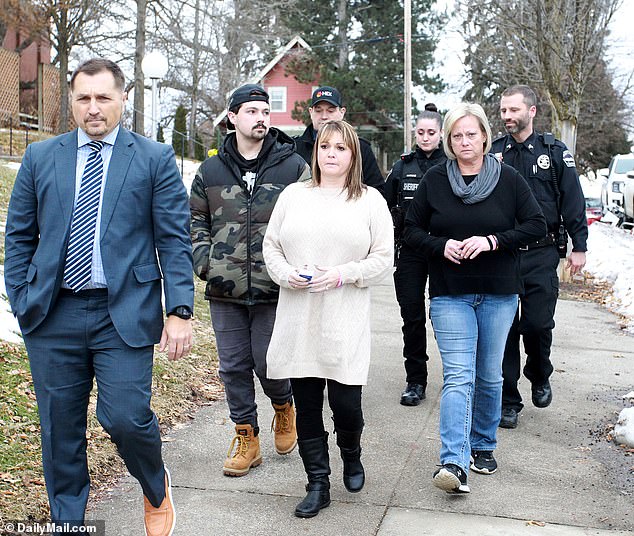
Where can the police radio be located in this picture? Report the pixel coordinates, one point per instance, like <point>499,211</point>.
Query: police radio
<point>561,240</point>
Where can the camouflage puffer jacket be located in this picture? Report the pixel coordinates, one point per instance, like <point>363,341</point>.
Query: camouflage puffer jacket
<point>228,223</point>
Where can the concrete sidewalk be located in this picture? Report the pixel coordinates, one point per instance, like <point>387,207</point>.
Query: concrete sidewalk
<point>553,472</point>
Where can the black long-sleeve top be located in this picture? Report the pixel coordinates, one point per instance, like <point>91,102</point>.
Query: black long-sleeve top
<point>436,215</point>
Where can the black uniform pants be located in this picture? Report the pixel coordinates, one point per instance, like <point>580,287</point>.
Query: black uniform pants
<point>534,321</point>
<point>410,279</point>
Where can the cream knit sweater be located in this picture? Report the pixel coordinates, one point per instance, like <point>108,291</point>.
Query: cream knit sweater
<point>326,334</point>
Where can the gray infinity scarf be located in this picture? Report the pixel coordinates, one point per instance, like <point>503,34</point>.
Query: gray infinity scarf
<point>481,187</point>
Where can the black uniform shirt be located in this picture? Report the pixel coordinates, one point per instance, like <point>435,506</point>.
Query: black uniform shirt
<point>531,159</point>
<point>414,164</point>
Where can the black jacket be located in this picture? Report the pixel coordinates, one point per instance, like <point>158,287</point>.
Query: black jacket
<point>371,172</point>
<point>533,163</point>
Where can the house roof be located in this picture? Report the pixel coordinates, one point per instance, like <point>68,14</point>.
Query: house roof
<point>297,41</point>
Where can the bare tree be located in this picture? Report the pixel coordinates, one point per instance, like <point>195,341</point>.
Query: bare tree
<point>73,23</point>
<point>213,47</point>
<point>555,45</point>
<point>139,51</point>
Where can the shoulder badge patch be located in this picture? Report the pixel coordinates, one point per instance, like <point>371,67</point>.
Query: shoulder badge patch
<point>569,160</point>
<point>543,161</point>
<point>499,156</point>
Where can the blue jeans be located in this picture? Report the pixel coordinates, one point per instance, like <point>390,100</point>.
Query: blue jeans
<point>471,331</point>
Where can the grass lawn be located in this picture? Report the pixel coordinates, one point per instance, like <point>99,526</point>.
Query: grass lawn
<point>178,389</point>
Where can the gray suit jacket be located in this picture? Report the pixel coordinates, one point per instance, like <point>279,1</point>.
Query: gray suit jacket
<point>145,241</point>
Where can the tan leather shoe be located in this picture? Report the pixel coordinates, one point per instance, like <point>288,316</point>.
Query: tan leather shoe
<point>246,453</point>
<point>284,427</point>
<point>161,521</point>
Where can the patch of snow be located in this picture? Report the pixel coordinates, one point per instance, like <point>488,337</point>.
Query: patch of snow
<point>610,258</point>
<point>591,185</point>
<point>189,169</point>
<point>11,165</point>
<point>9,327</point>
<point>624,428</point>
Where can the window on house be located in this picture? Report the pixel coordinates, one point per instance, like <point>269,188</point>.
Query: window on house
<point>277,99</point>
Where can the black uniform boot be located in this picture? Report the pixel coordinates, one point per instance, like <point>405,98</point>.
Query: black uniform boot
<point>314,454</point>
<point>350,447</point>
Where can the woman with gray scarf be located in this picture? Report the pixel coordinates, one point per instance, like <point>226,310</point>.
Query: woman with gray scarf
<point>470,216</point>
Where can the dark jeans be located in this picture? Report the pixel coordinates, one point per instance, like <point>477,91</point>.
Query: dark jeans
<point>344,401</point>
<point>243,333</point>
<point>410,279</point>
<point>534,321</point>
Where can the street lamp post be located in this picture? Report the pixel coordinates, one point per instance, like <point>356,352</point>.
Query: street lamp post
<point>154,66</point>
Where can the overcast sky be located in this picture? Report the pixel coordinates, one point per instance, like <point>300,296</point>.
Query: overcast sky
<point>450,55</point>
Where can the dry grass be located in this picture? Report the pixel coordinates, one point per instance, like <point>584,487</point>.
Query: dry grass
<point>15,143</point>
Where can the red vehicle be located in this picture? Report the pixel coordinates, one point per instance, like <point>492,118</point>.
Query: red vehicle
<point>594,212</point>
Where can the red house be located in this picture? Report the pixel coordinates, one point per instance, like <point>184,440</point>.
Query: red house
<point>37,52</point>
<point>284,90</point>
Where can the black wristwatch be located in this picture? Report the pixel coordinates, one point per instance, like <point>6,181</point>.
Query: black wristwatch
<point>182,311</point>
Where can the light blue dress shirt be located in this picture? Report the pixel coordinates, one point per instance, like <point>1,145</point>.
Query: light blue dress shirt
<point>97,278</point>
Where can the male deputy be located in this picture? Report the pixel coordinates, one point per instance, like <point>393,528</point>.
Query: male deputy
<point>326,105</point>
<point>97,226</point>
<point>536,156</point>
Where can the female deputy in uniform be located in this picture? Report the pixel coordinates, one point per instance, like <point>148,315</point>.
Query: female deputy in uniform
<point>410,277</point>
<point>469,217</point>
<point>321,335</point>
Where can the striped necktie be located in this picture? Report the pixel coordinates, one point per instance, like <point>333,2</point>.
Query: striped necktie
<point>82,230</point>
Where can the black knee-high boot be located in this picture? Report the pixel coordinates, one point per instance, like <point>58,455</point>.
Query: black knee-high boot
<point>350,447</point>
<point>314,454</point>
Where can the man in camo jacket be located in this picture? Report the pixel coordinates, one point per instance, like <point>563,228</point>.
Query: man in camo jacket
<point>232,198</point>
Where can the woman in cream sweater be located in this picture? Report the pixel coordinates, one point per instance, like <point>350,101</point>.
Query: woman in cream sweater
<point>326,242</point>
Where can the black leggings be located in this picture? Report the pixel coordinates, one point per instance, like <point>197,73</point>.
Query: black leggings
<point>344,401</point>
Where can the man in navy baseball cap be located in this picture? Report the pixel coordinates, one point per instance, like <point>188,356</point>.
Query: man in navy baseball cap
<point>326,105</point>
<point>328,95</point>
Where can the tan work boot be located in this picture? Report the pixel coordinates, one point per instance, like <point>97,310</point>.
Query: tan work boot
<point>246,453</point>
<point>284,427</point>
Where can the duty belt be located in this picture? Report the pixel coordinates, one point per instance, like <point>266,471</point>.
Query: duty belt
<point>548,240</point>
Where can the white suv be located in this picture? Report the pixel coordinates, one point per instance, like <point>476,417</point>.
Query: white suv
<point>613,187</point>
<point>628,197</point>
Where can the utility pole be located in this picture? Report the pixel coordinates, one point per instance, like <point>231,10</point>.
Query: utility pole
<point>407,105</point>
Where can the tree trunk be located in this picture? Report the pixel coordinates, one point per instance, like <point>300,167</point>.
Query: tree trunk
<point>138,124</point>
<point>195,82</point>
<point>342,17</point>
<point>63,51</point>
<point>63,92</point>
<point>569,135</point>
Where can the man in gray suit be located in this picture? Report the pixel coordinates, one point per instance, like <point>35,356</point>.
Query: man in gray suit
<point>98,226</point>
